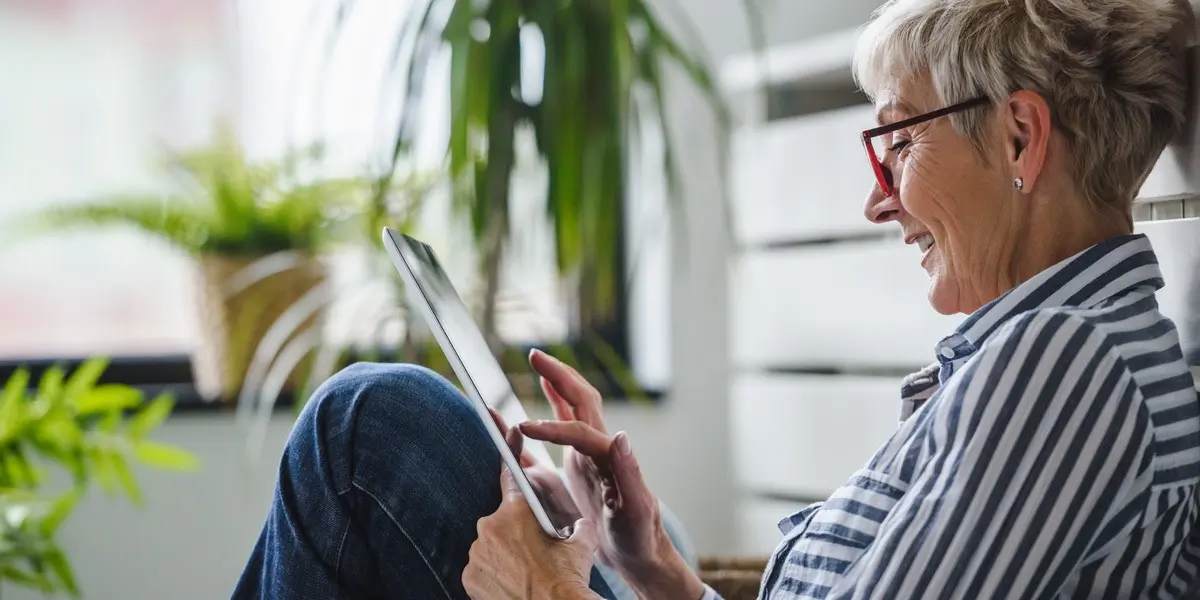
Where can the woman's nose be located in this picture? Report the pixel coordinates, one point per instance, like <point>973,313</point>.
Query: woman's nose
<point>880,208</point>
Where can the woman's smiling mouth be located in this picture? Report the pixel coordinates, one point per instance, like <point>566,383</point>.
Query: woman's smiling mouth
<point>924,242</point>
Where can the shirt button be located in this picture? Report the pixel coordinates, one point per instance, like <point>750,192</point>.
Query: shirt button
<point>947,352</point>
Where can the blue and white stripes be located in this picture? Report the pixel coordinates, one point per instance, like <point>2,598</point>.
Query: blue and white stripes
<point>1053,451</point>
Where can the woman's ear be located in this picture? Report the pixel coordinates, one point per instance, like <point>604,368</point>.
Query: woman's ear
<point>1028,130</point>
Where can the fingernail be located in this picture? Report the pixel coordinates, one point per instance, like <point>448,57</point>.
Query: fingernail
<point>623,445</point>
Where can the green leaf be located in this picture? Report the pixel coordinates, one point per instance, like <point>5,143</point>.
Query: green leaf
<point>59,511</point>
<point>57,561</point>
<point>60,432</point>
<point>13,405</point>
<point>102,470</point>
<point>106,398</point>
<point>85,376</point>
<point>13,475</point>
<point>111,422</point>
<point>51,386</point>
<point>26,578</point>
<point>150,417</point>
<point>177,220</point>
<point>19,472</point>
<point>164,456</point>
<point>463,50</point>
<point>16,386</point>
<point>125,478</point>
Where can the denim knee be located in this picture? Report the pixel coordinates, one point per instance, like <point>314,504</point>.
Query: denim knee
<point>385,474</point>
<point>370,411</point>
<point>413,382</point>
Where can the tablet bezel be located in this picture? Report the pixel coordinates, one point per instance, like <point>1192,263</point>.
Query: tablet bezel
<point>397,246</point>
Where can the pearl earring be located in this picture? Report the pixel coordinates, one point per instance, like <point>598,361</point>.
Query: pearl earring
<point>1019,184</point>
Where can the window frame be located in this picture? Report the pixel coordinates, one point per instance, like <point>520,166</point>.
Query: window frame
<point>172,372</point>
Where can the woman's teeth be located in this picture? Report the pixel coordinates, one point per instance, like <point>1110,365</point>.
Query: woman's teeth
<point>925,242</point>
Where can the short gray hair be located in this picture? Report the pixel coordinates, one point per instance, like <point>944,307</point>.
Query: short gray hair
<point>1112,71</point>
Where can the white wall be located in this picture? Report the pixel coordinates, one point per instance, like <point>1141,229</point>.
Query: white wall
<point>191,540</point>
<point>684,444</point>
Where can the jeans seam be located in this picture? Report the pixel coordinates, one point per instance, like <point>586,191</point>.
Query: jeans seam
<point>337,563</point>
<point>410,539</point>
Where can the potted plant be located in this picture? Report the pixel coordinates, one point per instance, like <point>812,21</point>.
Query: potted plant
<point>231,214</point>
<point>92,432</point>
<point>603,79</point>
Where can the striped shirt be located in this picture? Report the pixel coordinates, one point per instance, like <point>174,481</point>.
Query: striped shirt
<point>1053,451</point>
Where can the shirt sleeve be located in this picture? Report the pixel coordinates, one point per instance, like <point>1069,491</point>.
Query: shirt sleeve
<point>1043,457</point>
<point>710,594</point>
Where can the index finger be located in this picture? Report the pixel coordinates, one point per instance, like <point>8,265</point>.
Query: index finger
<point>570,386</point>
<point>577,434</point>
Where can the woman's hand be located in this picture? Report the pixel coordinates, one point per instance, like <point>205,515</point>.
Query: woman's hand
<point>513,559</point>
<point>544,478</point>
<point>606,483</point>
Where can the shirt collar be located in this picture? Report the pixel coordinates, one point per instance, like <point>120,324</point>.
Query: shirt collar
<point>1085,280</point>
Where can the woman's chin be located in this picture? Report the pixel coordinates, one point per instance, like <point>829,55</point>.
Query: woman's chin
<point>941,297</point>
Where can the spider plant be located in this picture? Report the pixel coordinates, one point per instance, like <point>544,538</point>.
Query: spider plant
<point>217,202</point>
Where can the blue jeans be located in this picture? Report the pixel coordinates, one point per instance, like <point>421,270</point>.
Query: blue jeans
<point>380,486</point>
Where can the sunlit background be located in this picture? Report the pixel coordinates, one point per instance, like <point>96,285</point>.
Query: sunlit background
<point>94,91</point>
<point>90,92</point>
<point>752,348</point>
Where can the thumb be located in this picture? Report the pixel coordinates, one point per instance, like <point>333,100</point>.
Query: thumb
<point>628,475</point>
<point>585,536</point>
<point>516,443</point>
<point>508,483</point>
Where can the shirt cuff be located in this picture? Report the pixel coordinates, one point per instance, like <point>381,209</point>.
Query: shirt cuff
<point>710,594</point>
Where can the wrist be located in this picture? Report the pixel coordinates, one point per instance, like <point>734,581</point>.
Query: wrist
<point>666,577</point>
<point>573,592</point>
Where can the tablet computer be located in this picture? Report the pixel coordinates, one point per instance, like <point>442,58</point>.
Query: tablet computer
<point>482,378</point>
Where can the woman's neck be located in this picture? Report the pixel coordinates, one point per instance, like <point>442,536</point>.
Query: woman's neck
<point>1054,232</point>
<point>1063,231</point>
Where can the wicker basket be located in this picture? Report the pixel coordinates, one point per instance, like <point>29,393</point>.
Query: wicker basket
<point>233,325</point>
<point>733,578</point>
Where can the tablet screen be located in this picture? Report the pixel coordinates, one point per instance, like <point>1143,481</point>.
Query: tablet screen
<point>466,341</point>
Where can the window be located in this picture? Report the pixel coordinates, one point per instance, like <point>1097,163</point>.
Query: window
<point>87,97</point>
<point>89,117</point>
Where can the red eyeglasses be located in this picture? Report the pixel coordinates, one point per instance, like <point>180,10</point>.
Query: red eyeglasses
<point>872,137</point>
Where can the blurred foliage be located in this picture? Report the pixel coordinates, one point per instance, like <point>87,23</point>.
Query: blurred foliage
<point>92,433</point>
<point>220,203</point>
<point>393,202</point>
<point>603,81</point>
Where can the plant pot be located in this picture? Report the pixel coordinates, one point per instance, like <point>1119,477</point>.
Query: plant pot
<point>233,324</point>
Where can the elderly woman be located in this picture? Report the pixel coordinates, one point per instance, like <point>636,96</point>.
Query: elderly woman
<point>1052,451</point>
